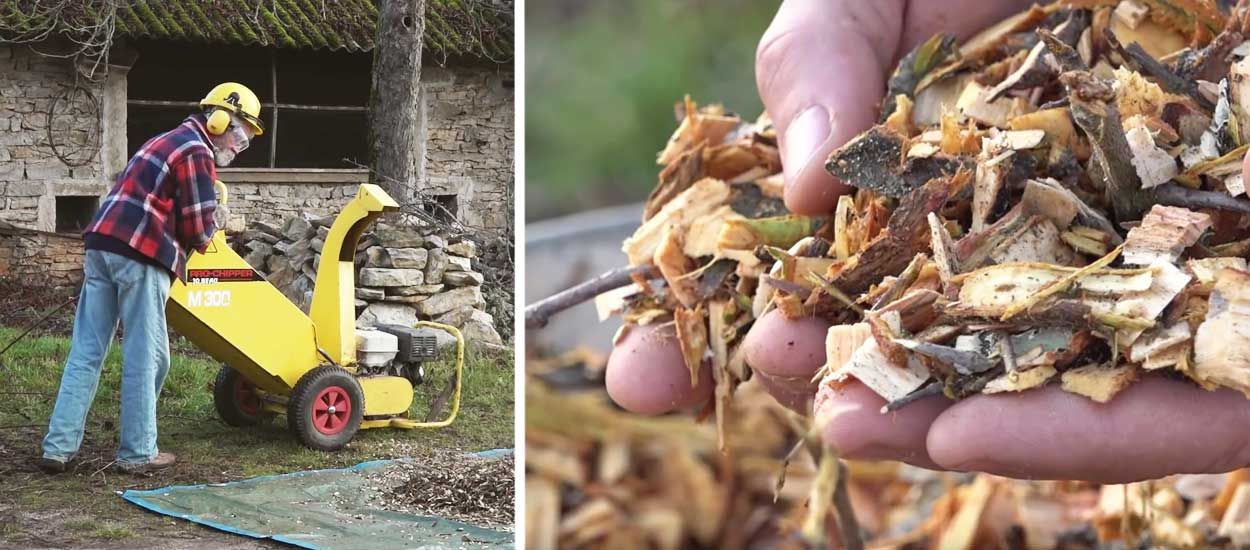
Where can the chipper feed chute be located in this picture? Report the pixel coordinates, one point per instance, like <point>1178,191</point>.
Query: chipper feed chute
<point>277,359</point>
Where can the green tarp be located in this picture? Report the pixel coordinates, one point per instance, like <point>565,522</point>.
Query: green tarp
<point>319,509</point>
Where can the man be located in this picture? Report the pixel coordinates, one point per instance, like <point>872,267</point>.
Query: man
<point>162,206</point>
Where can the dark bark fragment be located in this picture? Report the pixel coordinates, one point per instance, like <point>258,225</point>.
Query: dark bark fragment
<point>906,234</point>
<point>914,67</point>
<point>677,177</point>
<point>1097,116</point>
<point>1137,59</point>
<point>875,161</point>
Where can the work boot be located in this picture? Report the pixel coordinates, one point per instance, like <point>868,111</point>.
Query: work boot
<point>160,462</point>
<point>52,465</point>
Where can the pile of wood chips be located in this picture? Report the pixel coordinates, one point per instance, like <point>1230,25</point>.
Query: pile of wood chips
<point>481,491</point>
<point>1055,200</point>
<point>599,477</point>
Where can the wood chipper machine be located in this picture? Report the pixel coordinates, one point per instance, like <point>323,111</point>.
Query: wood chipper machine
<point>329,378</point>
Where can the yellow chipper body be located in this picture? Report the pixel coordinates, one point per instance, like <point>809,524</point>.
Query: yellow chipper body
<point>277,359</point>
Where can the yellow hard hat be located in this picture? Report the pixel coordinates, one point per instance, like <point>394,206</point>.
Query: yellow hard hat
<point>238,99</point>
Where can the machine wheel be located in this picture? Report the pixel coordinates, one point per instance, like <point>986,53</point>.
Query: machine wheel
<point>236,399</point>
<point>325,408</point>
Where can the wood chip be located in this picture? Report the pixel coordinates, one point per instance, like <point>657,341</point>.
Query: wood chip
<point>1222,342</point>
<point>1098,382</point>
<point>871,366</point>
<point>1165,232</point>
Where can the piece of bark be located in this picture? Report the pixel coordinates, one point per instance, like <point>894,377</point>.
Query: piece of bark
<point>1021,381</point>
<point>914,67</point>
<point>1222,342</point>
<point>1098,382</point>
<point>875,160</point>
<point>1165,232</point>
<point>904,236</point>
<point>697,128</point>
<point>943,248</point>
<point>676,268</point>
<point>692,338</point>
<point>1051,199</point>
<point>1036,70</point>
<point>1141,61</point>
<point>991,177</point>
<point>964,362</point>
<point>675,179</point>
<point>1239,82</point>
<point>1100,120</point>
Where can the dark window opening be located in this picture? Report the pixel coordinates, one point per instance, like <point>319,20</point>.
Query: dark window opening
<point>321,121</point>
<point>73,214</point>
<point>443,207</point>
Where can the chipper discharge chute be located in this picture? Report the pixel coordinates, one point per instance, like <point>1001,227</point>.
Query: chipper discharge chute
<point>329,378</point>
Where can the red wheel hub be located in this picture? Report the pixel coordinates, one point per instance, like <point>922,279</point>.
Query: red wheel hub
<point>331,410</point>
<point>245,396</point>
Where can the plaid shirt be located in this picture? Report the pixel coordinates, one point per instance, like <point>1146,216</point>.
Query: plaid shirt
<point>162,205</point>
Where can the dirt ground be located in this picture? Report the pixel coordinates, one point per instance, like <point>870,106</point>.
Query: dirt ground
<point>82,508</point>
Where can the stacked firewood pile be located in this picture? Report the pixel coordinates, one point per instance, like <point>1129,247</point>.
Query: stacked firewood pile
<point>402,274</point>
<point>598,477</point>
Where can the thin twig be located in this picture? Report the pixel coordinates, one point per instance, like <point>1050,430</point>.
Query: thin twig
<point>537,314</point>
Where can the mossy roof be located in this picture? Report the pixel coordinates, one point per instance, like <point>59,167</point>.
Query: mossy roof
<point>477,28</point>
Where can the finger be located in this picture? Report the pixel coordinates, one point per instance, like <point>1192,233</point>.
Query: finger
<point>646,373</point>
<point>1155,427</point>
<point>856,427</point>
<point>820,72</point>
<point>963,18</point>
<point>785,354</point>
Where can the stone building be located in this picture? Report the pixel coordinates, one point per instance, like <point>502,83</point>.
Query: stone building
<point>68,127</point>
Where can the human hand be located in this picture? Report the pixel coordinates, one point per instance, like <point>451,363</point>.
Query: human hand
<point>821,69</point>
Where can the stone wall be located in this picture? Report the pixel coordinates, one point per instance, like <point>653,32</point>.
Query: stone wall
<point>40,258</point>
<point>470,137</point>
<point>274,197</point>
<point>31,174</point>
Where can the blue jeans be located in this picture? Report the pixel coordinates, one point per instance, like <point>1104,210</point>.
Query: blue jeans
<point>114,287</point>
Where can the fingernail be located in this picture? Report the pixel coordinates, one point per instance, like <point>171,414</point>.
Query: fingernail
<point>806,133</point>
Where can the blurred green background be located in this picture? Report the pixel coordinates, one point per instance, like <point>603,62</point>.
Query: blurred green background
<point>602,79</point>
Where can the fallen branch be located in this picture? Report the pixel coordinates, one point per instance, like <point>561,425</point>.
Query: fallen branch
<point>538,314</point>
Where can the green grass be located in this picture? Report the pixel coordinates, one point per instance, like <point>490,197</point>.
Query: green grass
<point>603,78</point>
<point>208,450</point>
<point>112,532</point>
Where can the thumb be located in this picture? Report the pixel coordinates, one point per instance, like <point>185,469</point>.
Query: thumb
<point>820,72</point>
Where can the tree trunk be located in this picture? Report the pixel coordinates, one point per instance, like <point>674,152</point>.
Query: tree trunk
<point>393,108</point>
